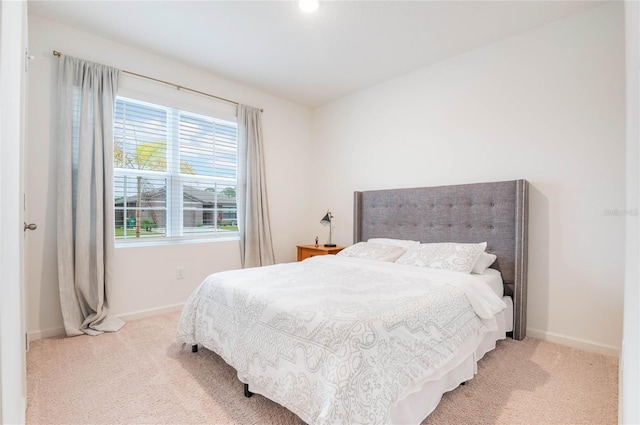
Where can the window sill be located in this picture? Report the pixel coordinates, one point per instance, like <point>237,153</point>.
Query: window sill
<point>130,243</point>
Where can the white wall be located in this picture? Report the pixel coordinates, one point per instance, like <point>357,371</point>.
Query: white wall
<point>145,277</point>
<point>548,106</point>
<point>630,353</point>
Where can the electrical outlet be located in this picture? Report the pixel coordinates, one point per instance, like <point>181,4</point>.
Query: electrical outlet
<point>180,273</point>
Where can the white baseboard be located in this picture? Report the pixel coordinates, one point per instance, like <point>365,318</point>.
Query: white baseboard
<point>46,333</point>
<point>54,332</point>
<point>23,412</point>
<point>151,312</point>
<point>580,344</point>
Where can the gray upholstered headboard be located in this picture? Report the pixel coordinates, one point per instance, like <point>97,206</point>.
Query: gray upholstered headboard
<point>493,212</point>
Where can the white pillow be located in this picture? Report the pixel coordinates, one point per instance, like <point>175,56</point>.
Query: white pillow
<point>483,263</point>
<point>373,251</point>
<point>458,257</point>
<point>403,243</point>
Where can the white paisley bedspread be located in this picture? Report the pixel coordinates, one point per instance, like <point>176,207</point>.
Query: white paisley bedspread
<point>336,340</point>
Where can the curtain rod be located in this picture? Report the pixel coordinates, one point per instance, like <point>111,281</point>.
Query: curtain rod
<point>177,86</point>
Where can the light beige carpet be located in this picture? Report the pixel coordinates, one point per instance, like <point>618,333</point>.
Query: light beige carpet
<point>140,375</point>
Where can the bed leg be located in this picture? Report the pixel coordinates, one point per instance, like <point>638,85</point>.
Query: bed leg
<point>194,348</point>
<point>247,393</point>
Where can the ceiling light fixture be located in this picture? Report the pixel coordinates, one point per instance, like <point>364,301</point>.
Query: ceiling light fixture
<point>308,5</point>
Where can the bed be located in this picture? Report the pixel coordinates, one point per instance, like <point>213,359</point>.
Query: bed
<point>352,339</point>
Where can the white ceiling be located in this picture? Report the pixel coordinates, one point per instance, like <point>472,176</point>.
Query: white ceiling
<point>343,47</point>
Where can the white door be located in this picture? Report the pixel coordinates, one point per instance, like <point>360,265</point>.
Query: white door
<point>13,25</point>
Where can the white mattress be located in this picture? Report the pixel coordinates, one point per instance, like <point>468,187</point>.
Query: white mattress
<point>493,278</point>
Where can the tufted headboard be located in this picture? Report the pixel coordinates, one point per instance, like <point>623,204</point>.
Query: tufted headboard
<point>493,212</point>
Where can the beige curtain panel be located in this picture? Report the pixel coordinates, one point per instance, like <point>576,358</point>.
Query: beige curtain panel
<point>86,94</point>
<point>256,246</point>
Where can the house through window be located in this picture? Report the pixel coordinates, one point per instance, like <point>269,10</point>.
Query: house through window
<point>174,173</point>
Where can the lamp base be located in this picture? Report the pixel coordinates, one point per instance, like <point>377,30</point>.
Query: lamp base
<point>330,245</point>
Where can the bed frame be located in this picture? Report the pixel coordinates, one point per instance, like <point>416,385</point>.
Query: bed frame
<point>493,212</point>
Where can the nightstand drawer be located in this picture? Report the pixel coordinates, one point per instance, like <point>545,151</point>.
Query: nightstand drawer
<point>306,251</point>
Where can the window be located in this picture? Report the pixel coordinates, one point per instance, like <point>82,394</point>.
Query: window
<point>174,173</point>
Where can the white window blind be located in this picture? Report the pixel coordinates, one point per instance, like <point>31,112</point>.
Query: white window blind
<point>174,173</point>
